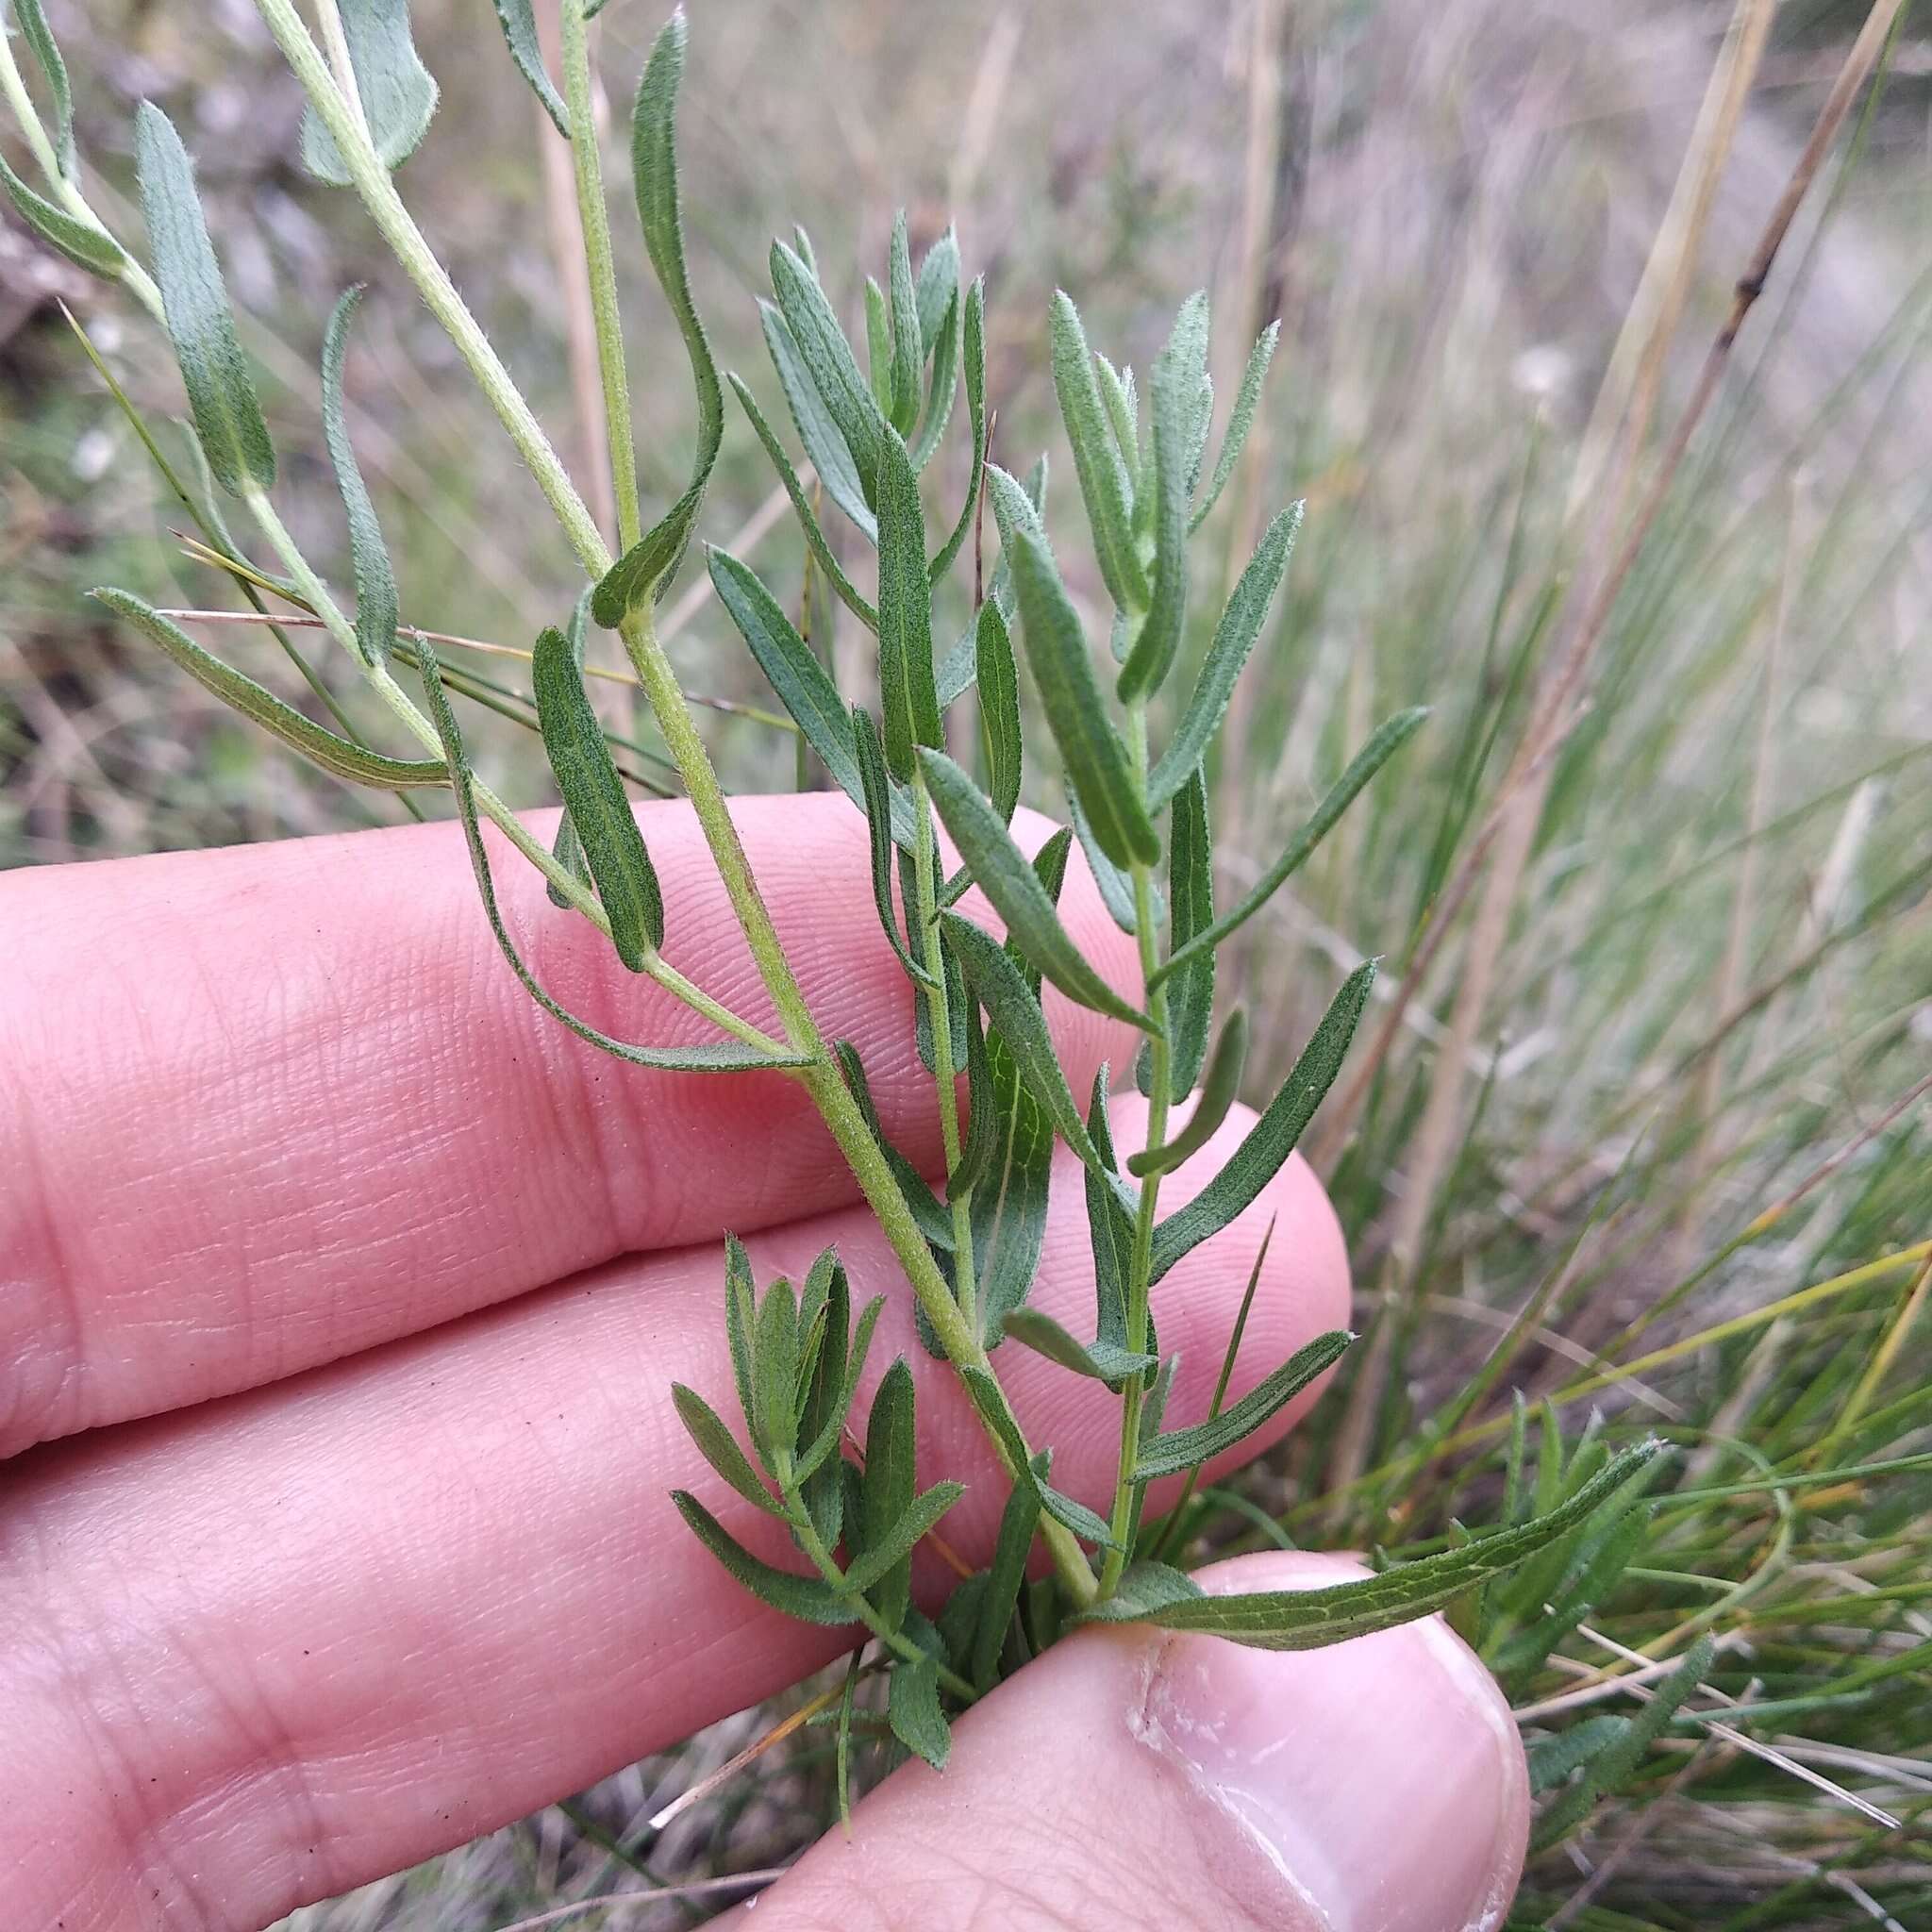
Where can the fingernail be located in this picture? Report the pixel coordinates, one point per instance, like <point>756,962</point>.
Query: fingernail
<point>1381,1778</point>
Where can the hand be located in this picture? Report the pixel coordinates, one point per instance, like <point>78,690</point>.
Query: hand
<point>342,1291</point>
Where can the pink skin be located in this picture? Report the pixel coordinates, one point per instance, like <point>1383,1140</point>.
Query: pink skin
<point>357,1287</point>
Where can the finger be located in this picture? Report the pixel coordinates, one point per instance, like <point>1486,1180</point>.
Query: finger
<point>259,1650</point>
<point>1139,1778</point>
<point>264,1108</point>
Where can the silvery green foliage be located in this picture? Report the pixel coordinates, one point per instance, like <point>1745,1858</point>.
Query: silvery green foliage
<point>836,1470</point>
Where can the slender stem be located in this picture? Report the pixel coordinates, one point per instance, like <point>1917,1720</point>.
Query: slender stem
<point>602,272</point>
<point>135,278</point>
<point>398,228</point>
<point>328,17</point>
<point>823,1560</point>
<point>945,1076</point>
<point>1140,1260</point>
<point>822,1079</point>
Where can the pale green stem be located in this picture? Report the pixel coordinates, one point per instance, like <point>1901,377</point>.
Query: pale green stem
<point>1140,1260</point>
<point>822,1079</point>
<point>372,181</point>
<point>135,278</point>
<point>595,215</point>
<point>945,1076</point>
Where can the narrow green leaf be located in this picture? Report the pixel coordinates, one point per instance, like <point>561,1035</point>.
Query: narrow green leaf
<point>1015,891</point>
<point>1183,1449</point>
<point>46,53</point>
<point>719,1447</point>
<point>397,92</point>
<point>878,345</point>
<point>221,393</point>
<point>1097,760</point>
<point>1177,373</point>
<point>1387,740</point>
<point>1241,420</point>
<point>884,1569</point>
<point>1014,511</point>
<point>567,848</point>
<point>878,818</point>
<point>519,20</point>
<point>376,583</point>
<point>820,1450</point>
<point>725,1057</point>
<point>912,1710</point>
<point>1624,1751</point>
<point>998,679</point>
<point>595,796</point>
<point>972,353</point>
<point>809,1599</point>
<point>1014,1545</point>
<point>1103,1362</point>
<point>818,430</point>
<point>1110,1223</point>
<point>941,392</point>
<point>908,694</point>
<point>828,360</point>
<point>803,685</point>
<point>801,506</point>
<point>741,1318</point>
<point>935,1223</point>
<point>909,354</point>
<point>1016,1017</point>
<point>84,244</point>
<point>1097,461</point>
<point>1273,1137</point>
<point>652,562</point>
<point>1115,882</point>
<point>568,851</point>
<point>775,1374</point>
<point>1124,414</point>
<point>1219,1092</point>
<point>241,694</point>
<point>824,1395</point>
<point>1551,1760</point>
<point>1010,1200</point>
<point>976,1157</point>
<point>1306,1620</point>
<point>938,289</point>
<point>1234,639</point>
<point>1191,889</point>
<point>985,1393</point>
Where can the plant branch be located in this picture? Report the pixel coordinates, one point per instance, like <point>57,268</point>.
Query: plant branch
<point>659,682</point>
<point>601,272</point>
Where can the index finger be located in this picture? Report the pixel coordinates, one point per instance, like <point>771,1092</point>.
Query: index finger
<point>263,1107</point>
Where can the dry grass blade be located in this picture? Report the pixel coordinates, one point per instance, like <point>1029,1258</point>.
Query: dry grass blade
<point>1551,716</point>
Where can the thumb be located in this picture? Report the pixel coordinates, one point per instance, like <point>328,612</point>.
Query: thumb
<point>1146,1779</point>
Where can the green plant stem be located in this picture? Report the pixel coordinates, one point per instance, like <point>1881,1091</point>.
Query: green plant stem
<point>133,277</point>
<point>1140,1260</point>
<point>372,182</point>
<point>945,1076</point>
<point>826,1565</point>
<point>822,1077</point>
<point>602,266</point>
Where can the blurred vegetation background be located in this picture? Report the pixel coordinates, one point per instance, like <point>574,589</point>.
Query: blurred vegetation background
<point>1665,1075</point>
